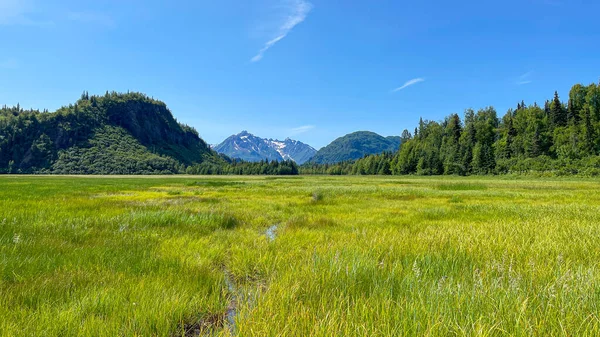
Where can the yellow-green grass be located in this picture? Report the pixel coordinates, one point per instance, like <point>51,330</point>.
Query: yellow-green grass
<point>352,256</point>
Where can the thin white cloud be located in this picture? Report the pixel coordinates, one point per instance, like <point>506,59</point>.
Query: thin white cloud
<point>299,11</point>
<point>92,18</point>
<point>525,78</point>
<point>301,129</point>
<point>526,75</point>
<point>409,83</point>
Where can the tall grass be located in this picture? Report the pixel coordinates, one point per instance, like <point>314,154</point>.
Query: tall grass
<point>373,256</point>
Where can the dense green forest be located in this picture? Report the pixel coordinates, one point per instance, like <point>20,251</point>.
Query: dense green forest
<point>553,139</point>
<point>240,167</point>
<point>375,164</point>
<point>112,134</point>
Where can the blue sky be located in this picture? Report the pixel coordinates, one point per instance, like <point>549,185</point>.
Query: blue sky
<point>312,71</point>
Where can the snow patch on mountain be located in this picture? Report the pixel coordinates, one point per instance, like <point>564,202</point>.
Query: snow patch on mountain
<point>248,147</point>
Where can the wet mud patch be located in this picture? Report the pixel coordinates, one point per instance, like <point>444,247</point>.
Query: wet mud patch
<point>207,326</point>
<point>213,323</point>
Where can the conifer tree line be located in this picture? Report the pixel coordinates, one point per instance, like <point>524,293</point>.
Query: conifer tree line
<point>240,167</point>
<point>557,138</point>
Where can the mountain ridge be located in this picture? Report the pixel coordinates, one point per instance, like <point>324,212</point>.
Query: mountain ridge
<point>354,146</point>
<point>248,147</point>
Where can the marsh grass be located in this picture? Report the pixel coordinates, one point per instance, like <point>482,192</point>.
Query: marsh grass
<point>215,183</point>
<point>284,178</point>
<point>317,196</point>
<point>353,256</point>
<point>462,187</point>
<point>456,200</point>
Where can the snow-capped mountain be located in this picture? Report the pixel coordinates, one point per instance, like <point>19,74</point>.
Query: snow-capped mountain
<point>249,147</point>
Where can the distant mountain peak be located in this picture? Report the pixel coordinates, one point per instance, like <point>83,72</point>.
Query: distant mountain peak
<point>249,147</point>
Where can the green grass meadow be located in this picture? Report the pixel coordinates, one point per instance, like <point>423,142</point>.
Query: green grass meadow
<point>299,256</point>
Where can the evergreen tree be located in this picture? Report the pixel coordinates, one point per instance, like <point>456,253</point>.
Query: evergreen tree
<point>467,143</point>
<point>486,122</point>
<point>589,135</point>
<point>547,108</point>
<point>576,103</point>
<point>406,136</point>
<point>558,114</point>
<point>536,147</point>
<point>511,132</point>
<point>450,145</point>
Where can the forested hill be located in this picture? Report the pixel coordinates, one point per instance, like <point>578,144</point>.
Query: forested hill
<point>111,134</point>
<point>556,138</point>
<point>355,146</point>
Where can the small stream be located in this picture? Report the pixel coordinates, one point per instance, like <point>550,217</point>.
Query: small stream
<point>271,232</point>
<point>235,296</point>
<point>232,309</point>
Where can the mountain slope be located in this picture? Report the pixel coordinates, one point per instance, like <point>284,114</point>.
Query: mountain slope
<point>249,147</point>
<point>355,146</point>
<point>294,150</point>
<point>114,133</point>
<point>112,150</point>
